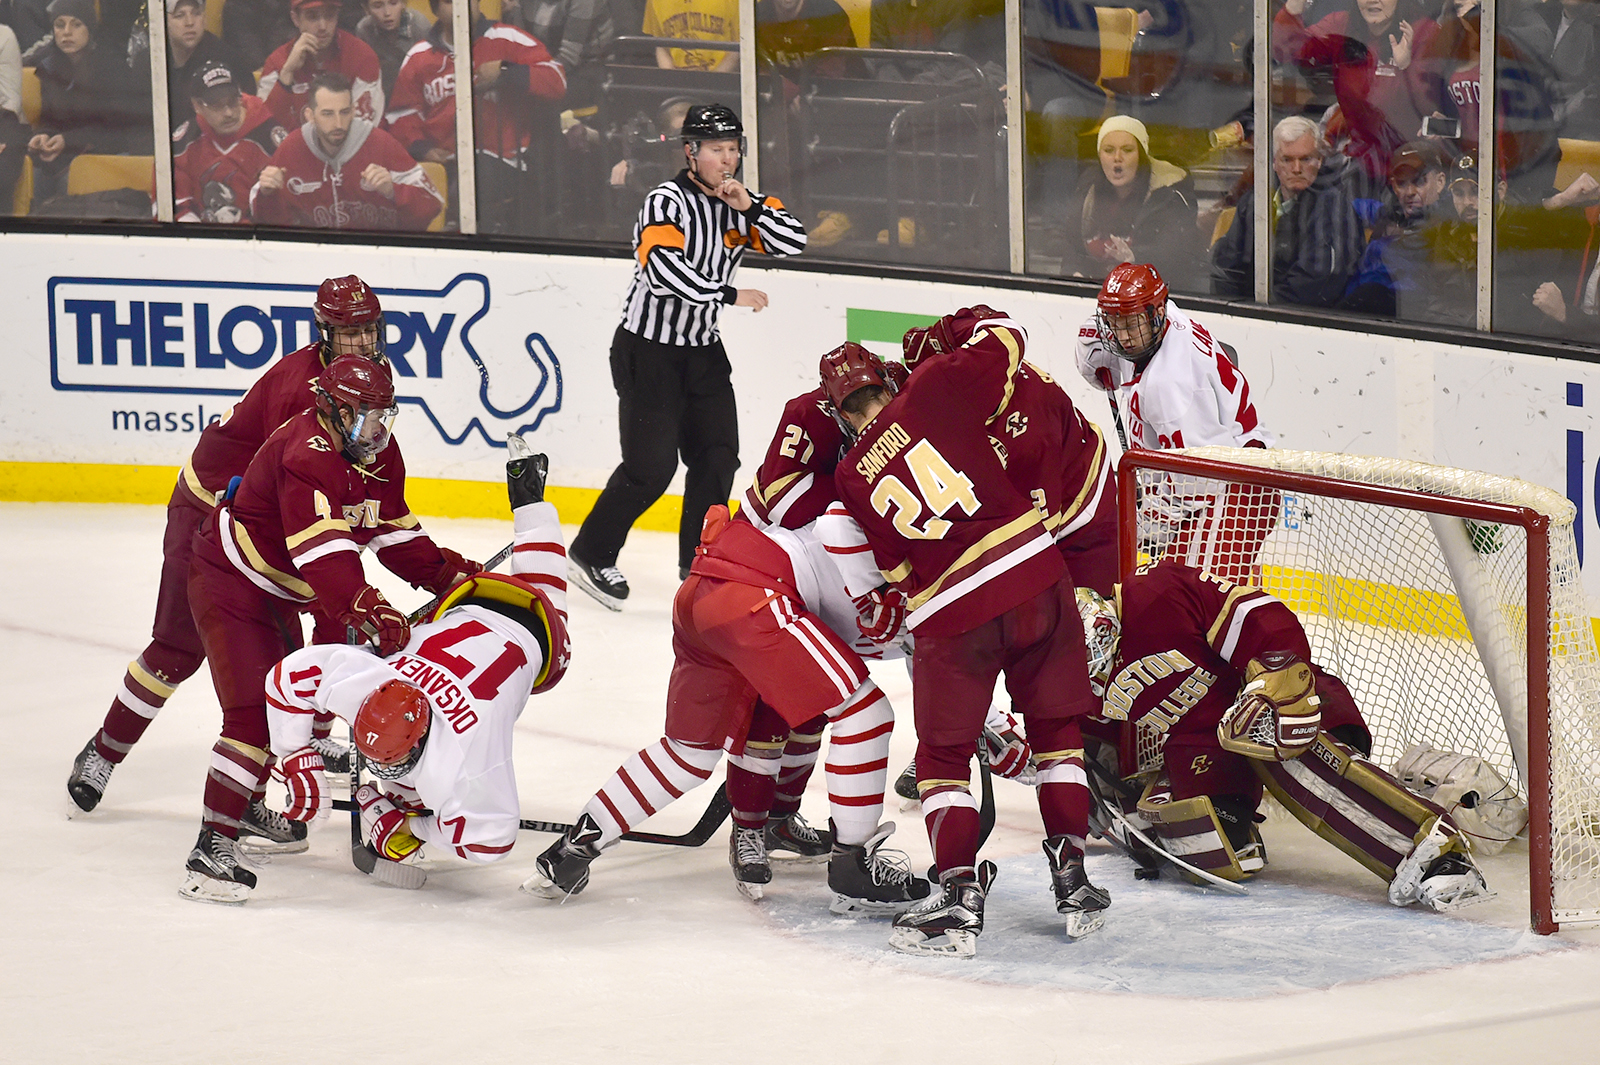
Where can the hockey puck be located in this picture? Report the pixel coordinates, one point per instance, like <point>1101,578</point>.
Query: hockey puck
<point>1146,874</point>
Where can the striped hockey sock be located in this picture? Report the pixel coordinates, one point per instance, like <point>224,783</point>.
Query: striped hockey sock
<point>237,770</point>
<point>647,782</point>
<point>150,680</point>
<point>799,760</point>
<point>858,762</point>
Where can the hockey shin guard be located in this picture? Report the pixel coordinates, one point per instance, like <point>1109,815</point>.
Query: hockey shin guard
<point>237,770</point>
<point>948,808</point>
<point>858,763</point>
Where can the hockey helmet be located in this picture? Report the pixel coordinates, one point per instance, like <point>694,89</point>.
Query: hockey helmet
<point>846,370</point>
<point>1133,311</point>
<point>349,304</point>
<point>520,591</point>
<point>362,391</point>
<point>391,726</point>
<point>1102,635</point>
<point>712,122</point>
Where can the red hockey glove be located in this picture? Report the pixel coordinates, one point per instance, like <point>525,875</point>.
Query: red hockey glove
<point>371,615</point>
<point>453,570</point>
<point>881,613</point>
<point>384,825</point>
<point>308,786</point>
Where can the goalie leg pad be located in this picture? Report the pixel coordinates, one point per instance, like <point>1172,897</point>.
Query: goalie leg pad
<point>1191,830</point>
<point>1351,803</point>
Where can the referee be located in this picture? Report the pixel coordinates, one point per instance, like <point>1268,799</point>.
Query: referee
<point>673,381</point>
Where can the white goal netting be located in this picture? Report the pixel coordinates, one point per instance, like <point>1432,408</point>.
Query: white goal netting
<point>1419,599</point>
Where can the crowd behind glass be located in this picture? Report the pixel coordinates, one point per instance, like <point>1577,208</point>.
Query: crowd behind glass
<point>881,124</point>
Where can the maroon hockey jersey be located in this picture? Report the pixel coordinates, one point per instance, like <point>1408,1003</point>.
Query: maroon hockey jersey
<point>349,55</point>
<point>226,447</point>
<point>327,192</point>
<point>926,483</point>
<point>211,177</point>
<point>422,114</point>
<point>795,482</point>
<point>303,514</point>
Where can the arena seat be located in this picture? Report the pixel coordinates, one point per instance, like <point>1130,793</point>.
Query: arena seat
<point>214,17</point>
<point>1577,157</point>
<point>22,198</point>
<point>98,173</point>
<point>441,180</point>
<point>32,97</point>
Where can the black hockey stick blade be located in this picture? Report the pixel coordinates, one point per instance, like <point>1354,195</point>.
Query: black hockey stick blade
<point>427,608</point>
<point>986,804</point>
<point>1131,840</point>
<point>362,856</point>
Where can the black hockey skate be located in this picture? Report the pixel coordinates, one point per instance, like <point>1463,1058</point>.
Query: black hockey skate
<point>747,856</point>
<point>1452,881</point>
<point>91,771</point>
<point>563,869</point>
<point>867,879</point>
<point>948,923</point>
<point>1082,903</point>
<point>213,872</point>
<point>605,584</point>
<point>905,785</point>
<point>263,830</point>
<point>792,837</point>
<point>335,755</point>
<point>525,472</point>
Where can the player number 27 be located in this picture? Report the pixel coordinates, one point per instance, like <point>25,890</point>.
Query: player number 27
<point>940,485</point>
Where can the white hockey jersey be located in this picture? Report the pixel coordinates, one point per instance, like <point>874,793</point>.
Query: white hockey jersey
<point>477,667</point>
<point>822,585</point>
<point>1189,394</point>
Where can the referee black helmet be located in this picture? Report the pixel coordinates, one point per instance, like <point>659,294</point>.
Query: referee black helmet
<point>711,122</point>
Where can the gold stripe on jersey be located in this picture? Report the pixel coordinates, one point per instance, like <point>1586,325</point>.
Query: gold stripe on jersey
<point>775,489</point>
<point>283,580</point>
<point>1071,510</point>
<point>150,682</point>
<point>1009,530</point>
<point>1014,360</point>
<point>326,525</point>
<point>192,481</point>
<point>1227,611</point>
<point>899,573</point>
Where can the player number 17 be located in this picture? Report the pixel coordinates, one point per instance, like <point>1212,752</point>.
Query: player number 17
<point>940,485</point>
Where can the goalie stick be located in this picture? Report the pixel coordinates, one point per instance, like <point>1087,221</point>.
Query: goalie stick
<point>716,813</point>
<point>1120,820</point>
<point>426,608</point>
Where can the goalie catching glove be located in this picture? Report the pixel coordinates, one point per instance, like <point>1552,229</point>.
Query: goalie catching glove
<point>307,784</point>
<point>1277,715</point>
<point>881,613</point>
<point>384,825</point>
<point>372,616</point>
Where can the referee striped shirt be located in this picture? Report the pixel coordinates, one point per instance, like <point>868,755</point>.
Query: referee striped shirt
<point>687,246</point>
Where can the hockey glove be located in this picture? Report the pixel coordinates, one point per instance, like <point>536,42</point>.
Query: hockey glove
<point>371,615</point>
<point>881,613</point>
<point>1009,754</point>
<point>454,570</point>
<point>384,825</point>
<point>1277,715</point>
<point>1095,361</point>
<point>308,786</point>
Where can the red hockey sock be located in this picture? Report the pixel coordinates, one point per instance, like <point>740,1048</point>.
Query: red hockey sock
<point>150,680</point>
<point>751,795</point>
<point>232,779</point>
<point>799,760</point>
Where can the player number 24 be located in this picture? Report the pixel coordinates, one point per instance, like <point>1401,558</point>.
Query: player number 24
<point>939,484</point>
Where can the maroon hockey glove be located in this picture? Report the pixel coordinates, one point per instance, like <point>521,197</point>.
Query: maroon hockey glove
<point>881,613</point>
<point>371,615</point>
<point>384,824</point>
<point>308,787</point>
<point>454,570</point>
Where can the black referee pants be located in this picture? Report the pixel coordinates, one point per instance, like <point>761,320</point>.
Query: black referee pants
<point>671,401</point>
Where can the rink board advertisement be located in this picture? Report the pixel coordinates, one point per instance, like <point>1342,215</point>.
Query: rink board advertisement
<point>123,348</point>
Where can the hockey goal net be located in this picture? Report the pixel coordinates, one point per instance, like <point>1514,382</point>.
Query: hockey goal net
<point>1449,601</point>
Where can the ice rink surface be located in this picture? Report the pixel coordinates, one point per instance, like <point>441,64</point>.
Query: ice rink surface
<point>660,960</point>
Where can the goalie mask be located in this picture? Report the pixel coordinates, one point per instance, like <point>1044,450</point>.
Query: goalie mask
<point>356,396</point>
<point>1102,635</point>
<point>391,728</point>
<point>845,371</point>
<point>1133,311</point>
<point>349,319</point>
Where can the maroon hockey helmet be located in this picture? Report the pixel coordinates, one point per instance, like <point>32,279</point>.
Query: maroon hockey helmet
<point>1133,310</point>
<point>846,370</point>
<point>348,303</point>
<point>390,727</point>
<point>362,390</point>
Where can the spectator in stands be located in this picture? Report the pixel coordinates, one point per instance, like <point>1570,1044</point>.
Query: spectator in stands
<point>1396,262</point>
<point>189,47</point>
<point>220,152</point>
<point>1579,319</point>
<point>973,28</point>
<point>787,31</point>
<point>694,20</point>
<point>14,131</point>
<point>1132,208</point>
<point>339,171</point>
<point>320,46</point>
<point>576,32</point>
<point>514,80</point>
<point>1574,56</point>
<point>392,28</point>
<point>89,100</point>
<point>253,28</point>
<point>1317,239</point>
<point>29,22</point>
<point>1370,47</point>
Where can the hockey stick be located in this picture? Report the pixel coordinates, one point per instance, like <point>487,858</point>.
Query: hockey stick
<point>1116,419</point>
<point>697,836</point>
<point>986,790</point>
<point>426,608</point>
<point>1155,849</point>
<point>362,856</point>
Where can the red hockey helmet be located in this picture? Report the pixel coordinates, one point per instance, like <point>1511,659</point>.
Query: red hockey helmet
<point>1133,310</point>
<point>846,370</point>
<point>348,309</point>
<point>390,727</point>
<point>356,395</point>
